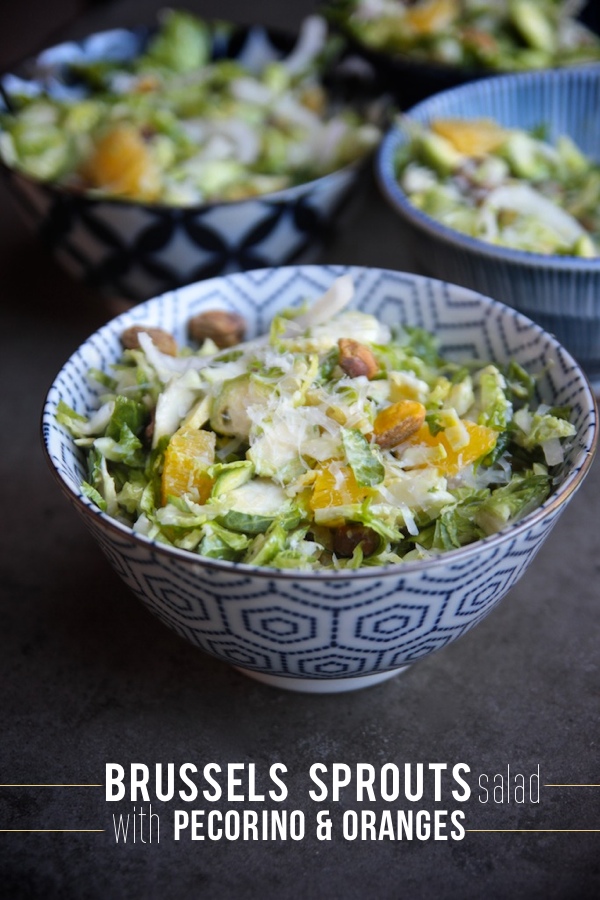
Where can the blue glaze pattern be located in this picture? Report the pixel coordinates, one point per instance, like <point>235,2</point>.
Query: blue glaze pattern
<point>329,625</point>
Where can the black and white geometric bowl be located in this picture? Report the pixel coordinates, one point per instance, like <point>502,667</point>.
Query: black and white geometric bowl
<point>561,293</point>
<point>332,630</point>
<point>138,250</point>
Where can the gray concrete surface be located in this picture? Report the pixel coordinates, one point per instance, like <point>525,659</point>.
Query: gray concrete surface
<point>87,677</point>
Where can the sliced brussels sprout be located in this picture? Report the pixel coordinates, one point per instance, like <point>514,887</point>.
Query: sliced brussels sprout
<point>229,476</point>
<point>229,414</point>
<point>254,506</point>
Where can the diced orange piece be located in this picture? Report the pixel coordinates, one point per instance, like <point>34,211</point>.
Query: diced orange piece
<point>431,15</point>
<point>121,164</point>
<point>474,137</point>
<point>188,455</point>
<point>481,441</point>
<point>336,486</point>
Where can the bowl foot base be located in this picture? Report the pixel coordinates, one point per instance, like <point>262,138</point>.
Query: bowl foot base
<point>321,685</point>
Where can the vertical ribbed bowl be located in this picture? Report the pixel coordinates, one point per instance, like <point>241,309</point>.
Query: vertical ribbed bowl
<point>561,293</point>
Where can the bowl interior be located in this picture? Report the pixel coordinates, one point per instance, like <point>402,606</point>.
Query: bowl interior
<point>467,324</point>
<point>563,102</point>
<point>54,70</point>
<point>412,78</point>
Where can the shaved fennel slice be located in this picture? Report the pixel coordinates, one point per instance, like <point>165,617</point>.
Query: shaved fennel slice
<point>164,365</point>
<point>313,35</point>
<point>328,305</point>
<point>522,198</point>
<point>335,299</point>
<point>174,404</point>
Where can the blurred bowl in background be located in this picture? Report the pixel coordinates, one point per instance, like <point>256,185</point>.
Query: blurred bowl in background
<point>410,81</point>
<point>329,630</point>
<point>561,293</point>
<point>418,49</point>
<point>134,249</point>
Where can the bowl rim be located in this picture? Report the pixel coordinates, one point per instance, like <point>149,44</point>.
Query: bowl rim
<point>283,195</point>
<point>396,197</point>
<point>551,505</point>
<point>86,197</point>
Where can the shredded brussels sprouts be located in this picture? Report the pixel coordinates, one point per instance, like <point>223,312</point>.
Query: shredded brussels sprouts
<point>505,186</point>
<point>497,35</point>
<point>177,126</point>
<point>271,453</point>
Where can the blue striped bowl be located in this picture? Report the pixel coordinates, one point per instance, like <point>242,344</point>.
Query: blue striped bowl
<point>561,293</point>
<point>329,630</point>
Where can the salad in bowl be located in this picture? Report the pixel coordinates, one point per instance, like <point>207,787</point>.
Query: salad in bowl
<point>512,187</point>
<point>152,157</point>
<point>172,117</point>
<point>333,441</point>
<point>320,474</point>
<point>489,35</point>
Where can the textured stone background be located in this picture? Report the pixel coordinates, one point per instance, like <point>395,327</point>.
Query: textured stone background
<point>88,677</point>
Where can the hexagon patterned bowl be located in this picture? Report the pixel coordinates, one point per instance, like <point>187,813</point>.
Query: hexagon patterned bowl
<point>136,250</point>
<point>329,630</point>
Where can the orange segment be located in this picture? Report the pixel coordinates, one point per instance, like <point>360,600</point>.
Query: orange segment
<point>334,487</point>
<point>121,164</point>
<point>481,441</point>
<point>398,421</point>
<point>431,15</point>
<point>187,457</point>
<point>474,137</point>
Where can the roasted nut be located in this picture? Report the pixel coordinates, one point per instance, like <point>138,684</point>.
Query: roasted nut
<point>226,329</point>
<point>346,539</point>
<point>356,359</point>
<point>314,98</point>
<point>164,341</point>
<point>398,422</point>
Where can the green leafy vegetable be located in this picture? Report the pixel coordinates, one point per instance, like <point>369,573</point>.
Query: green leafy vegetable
<point>362,458</point>
<point>281,458</point>
<point>182,124</point>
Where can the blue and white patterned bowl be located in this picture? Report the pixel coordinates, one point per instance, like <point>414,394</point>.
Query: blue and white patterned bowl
<point>334,630</point>
<point>138,250</point>
<point>561,293</point>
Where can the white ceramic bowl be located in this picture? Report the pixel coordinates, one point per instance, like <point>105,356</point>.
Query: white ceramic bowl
<point>561,293</point>
<point>137,250</point>
<point>332,630</point>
